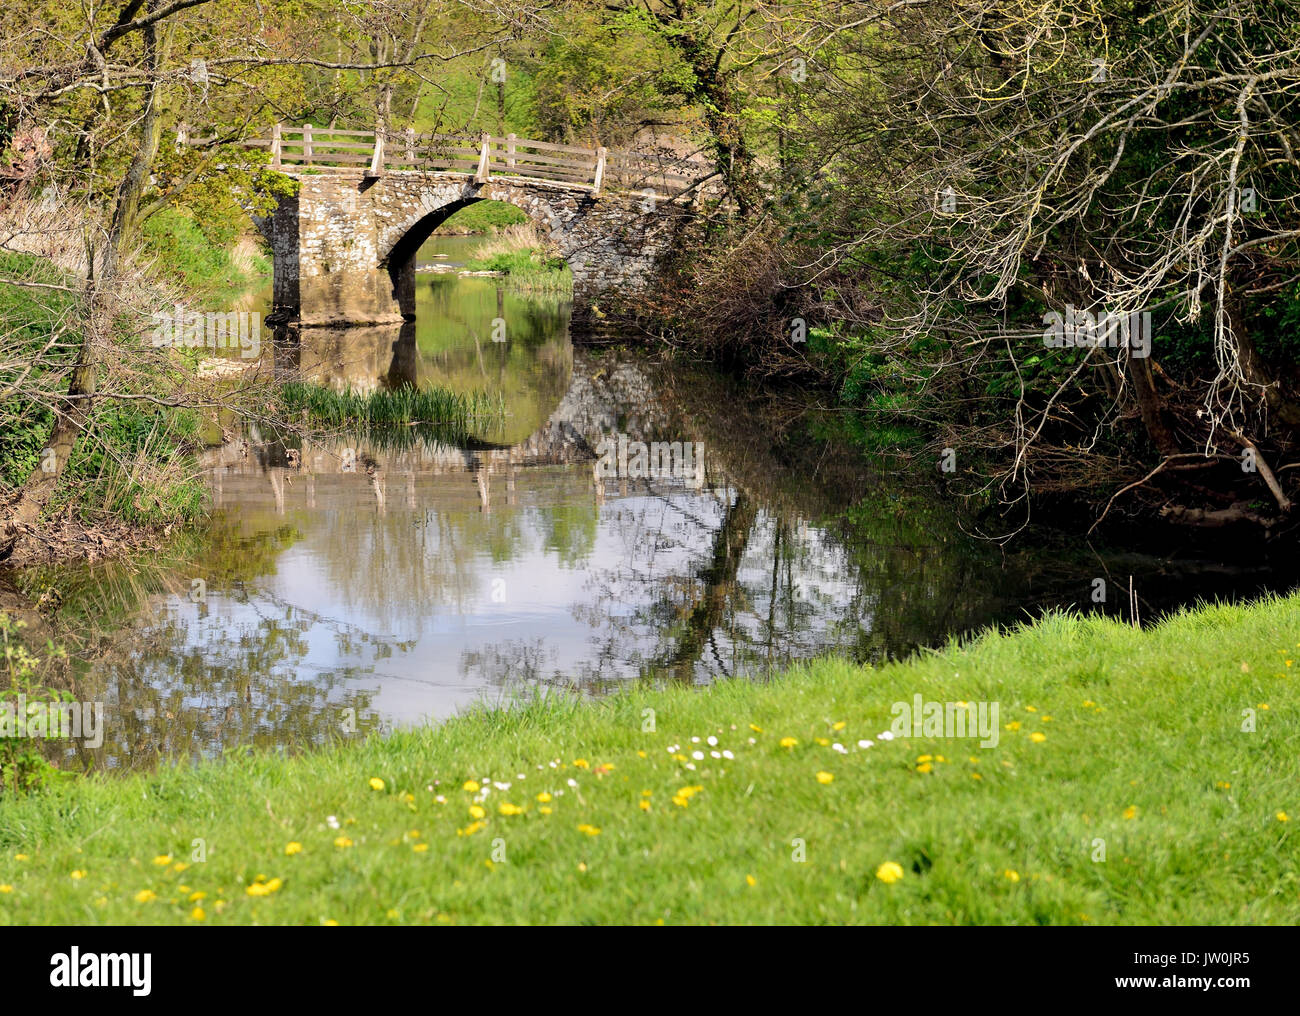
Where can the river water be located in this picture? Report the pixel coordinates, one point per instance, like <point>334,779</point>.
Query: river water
<point>348,585</point>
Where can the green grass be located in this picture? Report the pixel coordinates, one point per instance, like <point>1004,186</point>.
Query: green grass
<point>427,407</point>
<point>533,270</point>
<point>205,267</point>
<point>483,217</point>
<point>1142,724</point>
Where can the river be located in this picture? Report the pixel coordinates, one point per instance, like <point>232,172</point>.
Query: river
<point>347,586</point>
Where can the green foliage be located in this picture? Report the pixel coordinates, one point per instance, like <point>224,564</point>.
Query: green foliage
<point>429,407</point>
<point>23,768</point>
<point>197,254</point>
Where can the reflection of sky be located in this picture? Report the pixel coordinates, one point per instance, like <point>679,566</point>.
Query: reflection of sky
<point>579,613</point>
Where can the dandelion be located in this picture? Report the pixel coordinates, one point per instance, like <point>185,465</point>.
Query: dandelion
<point>1282,816</point>
<point>21,857</point>
<point>79,874</point>
<point>582,763</point>
<point>198,914</point>
<point>470,829</point>
<point>823,741</point>
<point>755,728</point>
<point>475,811</point>
<point>544,797</point>
<point>329,922</point>
<point>789,742</point>
<point>506,808</point>
<point>197,895</point>
<point>1013,725</point>
<point>1131,811</point>
<point>1011,876</point>
<point>146,896</point>
<point>293,848</point>
<point>924,758</point>
<point>469,786</point>
<point>6,888</point>
<point>376,783</point>
<point>342,842</point>
<point>544,810</point>
<point>420,848</point>
<point>751,880</point>
<point>889,872</point>
<point>824,778</point>
<point>925,767</point>
<point>1223,785</point>
<point>590,830</point>
<point>1037,737</point>
<point>838,725</point>
<point>643,804</point>
<point>162,860</point>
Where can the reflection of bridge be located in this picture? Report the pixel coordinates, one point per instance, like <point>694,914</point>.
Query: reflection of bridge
<point>344,245</point>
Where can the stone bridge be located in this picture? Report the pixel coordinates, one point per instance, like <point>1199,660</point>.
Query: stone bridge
<point>345,244</point>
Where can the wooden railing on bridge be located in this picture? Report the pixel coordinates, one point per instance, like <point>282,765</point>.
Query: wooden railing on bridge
<point>295,150</point>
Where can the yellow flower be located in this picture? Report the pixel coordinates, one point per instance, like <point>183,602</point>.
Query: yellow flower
<point>21,857</point>
<point>789,742</point>
<point>840,725</point>
<point>751,880</point>
<point>889,872</point>
<point>755,728</point>
<point>420,848</point>
<point>544,797</point>
<point>924,758</point>
<point>475,811</point>
<point>470,786</point>
<point>198,914</point>
<point>1088,703</point>
<point>680,801</point>
<point>544,810</point>
<point>342,842</point>
<point>640,754</point>
<point>643,804</point>
<point>376,783</point>
<point>940,758</point>
<point>590,830</point>
<point>1282,817</point>
<point>925,767</point>
<point>6,888</point>
<point>823,741</point>
<point>1013,725</point>
<point>293,848</point>
<point>146,896</point>
<point>329,922</point>
<point>582,763</point>
<point>506,808</point>
<point>824,777</point>
<point>162,859</point>
<point>179,866</point>
<point>1223,785</point>
<point>976,776</point>
<point>1037,738</point>
<point>647,793</point>
<point>197,895</point>
<point>470,829</point>
<point>1032,709</point>
<point>79,874</point>
<point>1131,811</point>
<point>1011,876</point>
<point>264,888</point>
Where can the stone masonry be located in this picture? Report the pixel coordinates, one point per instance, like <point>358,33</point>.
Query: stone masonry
<point>344,246</point>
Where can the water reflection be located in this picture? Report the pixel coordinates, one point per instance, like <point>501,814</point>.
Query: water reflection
<point>347,585</point>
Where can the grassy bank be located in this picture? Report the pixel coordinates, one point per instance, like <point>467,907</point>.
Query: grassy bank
<point>521,253</point>
<point>1123,789</point>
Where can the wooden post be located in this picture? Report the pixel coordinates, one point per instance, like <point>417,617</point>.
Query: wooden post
<point>277,146</point>
<point>377,158</point>
<point>410,146</point>
<point>600,169</point>
<point>484,160</point>
<point>510,151</point>
<point>306,144</point>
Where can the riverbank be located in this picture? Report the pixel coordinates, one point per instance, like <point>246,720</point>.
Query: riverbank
<point>1138,777</point>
